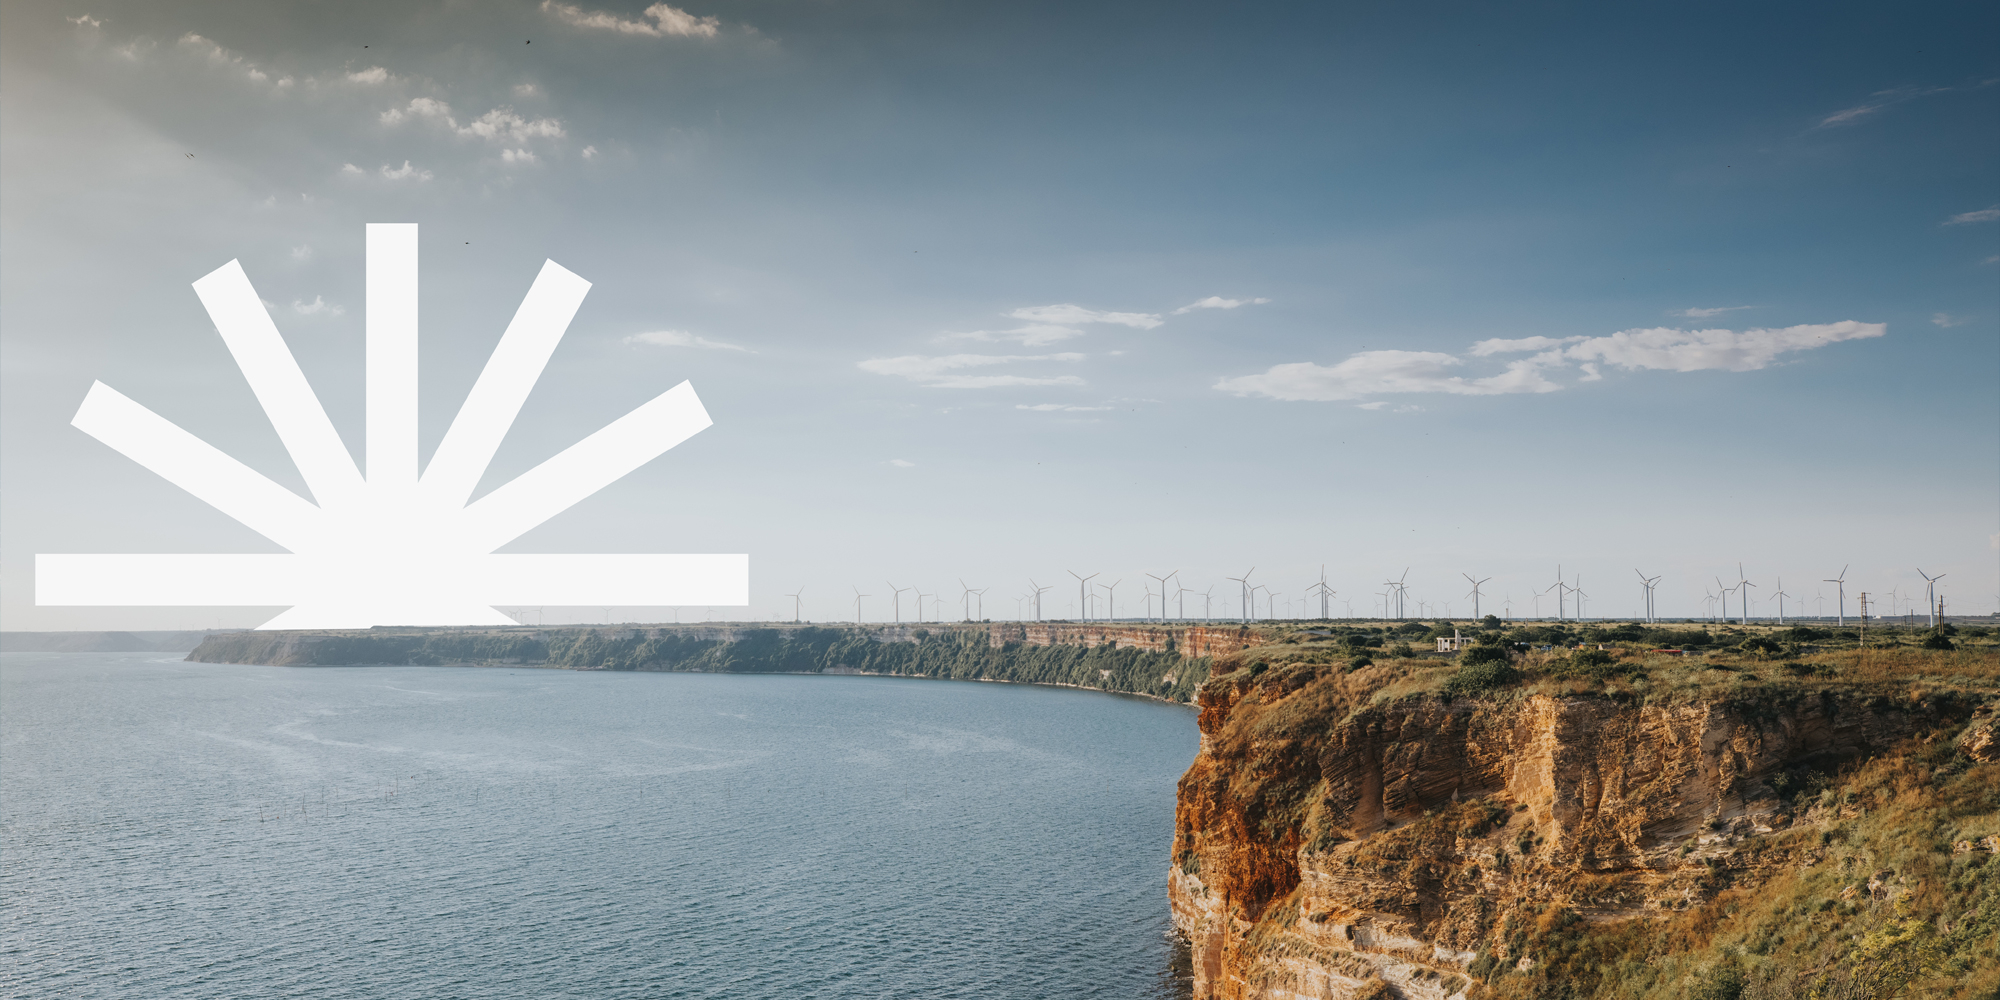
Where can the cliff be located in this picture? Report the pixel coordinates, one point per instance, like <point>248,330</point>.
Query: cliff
<point>1165,662</point>
<point>1655,830</point>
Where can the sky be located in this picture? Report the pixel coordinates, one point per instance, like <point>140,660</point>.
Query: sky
<point>980,294</point>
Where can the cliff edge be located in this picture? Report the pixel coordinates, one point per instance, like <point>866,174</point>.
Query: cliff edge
<point>1653,826</point>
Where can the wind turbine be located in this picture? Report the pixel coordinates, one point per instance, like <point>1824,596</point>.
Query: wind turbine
<point>1842,605</point>
<point>1039,591</point>
<point>1649,585</point>
<point>1580,596</point>
<point>1271,608</point>
<point>897,596</point>
<point>920,605</point>
<point>1207,598</point>
<point>1781,595</point>
<point>1402,589</point>
<point>1180,603</point>
<point>795,604</point>
<point>858,595</point>
<point>1475,594</point>
<point>1244,580</point>
<point>1082,594</point>
<point>1930,593</point>
<point>1726,591</point>
<point>1743,586</point>
<point>1111,598</point>
<point>965,598</point>
<point>1163,593</point>
<point>1560,588</point>
<point>979,602</point>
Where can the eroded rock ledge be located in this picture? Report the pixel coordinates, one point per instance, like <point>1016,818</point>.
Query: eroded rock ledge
<point>1334,843</point>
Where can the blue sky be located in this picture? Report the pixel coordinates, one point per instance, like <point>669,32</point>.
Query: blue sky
<point>998,291</point>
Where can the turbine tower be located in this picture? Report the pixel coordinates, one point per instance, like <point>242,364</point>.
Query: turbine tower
<point>896,595</point>
<point>1560,588</point>
<point>965,598</point>
<point>1039,591</point>
<point>1781,595</point>
<point>1649,585</point>
<point>858,595</point>
<point>1743,593</point>
<point>1082,594</point>
<point>1244,581</point>
<point>1163,593</point>
<point>795,604</point>
<point>1841,607</point>
<point>1111,599</point>
<point>1930,593</point>
<point>1475,593</point>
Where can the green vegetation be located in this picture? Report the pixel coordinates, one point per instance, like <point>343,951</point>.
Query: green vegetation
<point>1897,899</point>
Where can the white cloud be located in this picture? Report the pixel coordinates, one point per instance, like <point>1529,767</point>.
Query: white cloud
<point>1948,321</point>
<point>902,464</point>
<point>317,307</point>
<point>1501,345</point>
<point>1706,313</point>
<point>226,59</point>
<point>682,338</point>
<point>1667,349</point>
<point>1032,335</point>
<point>500,124</point>
<point>665,21</point>
<point>1983,215</point>
<point>1376,373</point>
<point>405,171</point>
<point>1876,102</point>
<point>943,372</point>
<point>85,21</point>
<point>1378,404</point>
<point>517,156</point>
<point>1218,302</point>
<point>526,90</point>
<point>1059,408</point>
<point>590,152</point>
<point>371,75</point>
<point>303,253</point>
<point>349,168</point>
<point>1066,313</point>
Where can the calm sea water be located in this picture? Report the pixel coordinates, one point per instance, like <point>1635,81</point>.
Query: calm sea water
<point>174,829</point>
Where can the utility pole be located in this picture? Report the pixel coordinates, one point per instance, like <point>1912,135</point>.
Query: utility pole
<point>1864,619</point>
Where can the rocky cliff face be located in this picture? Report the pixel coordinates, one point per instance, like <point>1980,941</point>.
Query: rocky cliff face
<point>1334,842</point>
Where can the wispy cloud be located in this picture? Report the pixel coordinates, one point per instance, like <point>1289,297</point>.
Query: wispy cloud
<point>1032,335</point>
<point>1066,313</point>
<point>1707,313</point>
<point>223,58</point>
<point>371,75</point>
<point>85,21</point>
<point>1876,102</point>
<point>946,372</point>
<point>317,307</point>
<point>1381,373</point>
<point>404,172</point>
<point>1217,302</point>
<point>1982,215</point>
<point>1378,373</point>
<point>1948,321</point>
<point>682,338</point>
<point>1668,349</point>
<point>302,253</point>
<point>902,463</point>
<point>664,20</point>
<point>1502,345</point>
<point>1059,408</point>
<point>501,124</point>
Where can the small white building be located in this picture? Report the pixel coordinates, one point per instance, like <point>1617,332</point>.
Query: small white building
<point>1455,643</point>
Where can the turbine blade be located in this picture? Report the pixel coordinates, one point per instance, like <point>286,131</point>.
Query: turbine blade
<point>584,468</point>
<point>503,386</point>
<point>391,357</point>
<point>280,386</point>
<point>200,468</point>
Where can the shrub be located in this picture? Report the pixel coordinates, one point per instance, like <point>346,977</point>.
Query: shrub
<point>1473,678</point>
<point>1402,649</point>
<point>1483,654</point>
<point>1758,645</point>
<point>1358,662</point>
<point>1937,640</point>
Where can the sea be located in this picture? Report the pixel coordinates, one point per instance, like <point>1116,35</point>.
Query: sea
<point>174,829</point>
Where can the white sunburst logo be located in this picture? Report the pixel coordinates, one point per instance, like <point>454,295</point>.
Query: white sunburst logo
<point>392,547</point>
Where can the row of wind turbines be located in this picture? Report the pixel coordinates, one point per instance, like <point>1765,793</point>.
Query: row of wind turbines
<point>1099,602</point>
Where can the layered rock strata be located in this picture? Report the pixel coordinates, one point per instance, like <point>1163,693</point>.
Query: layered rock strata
<point>1329,844</point>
